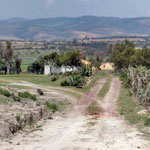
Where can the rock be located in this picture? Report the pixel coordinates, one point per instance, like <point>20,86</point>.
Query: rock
<point>142,112</point>
<point>40,92</point>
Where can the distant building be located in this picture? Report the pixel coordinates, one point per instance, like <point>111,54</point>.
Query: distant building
<point>87,63</point>
<point>51,69</point>
<point>107,66</point>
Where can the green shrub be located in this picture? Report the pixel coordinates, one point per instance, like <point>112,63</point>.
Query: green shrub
<point>54,79</point>
<point>5,93</point>
<point>76,80</point>
<point>126,81</point>
<point>27,95</point>
<point>65,83</point>
<point>51,106</point>
<point>16,98</point>
<point>147,122</point>
<point>18,118</point>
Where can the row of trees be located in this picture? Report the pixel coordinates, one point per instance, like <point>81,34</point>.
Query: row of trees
<point>8,62</point>
<point>125,55</point>
<point>70,58</point>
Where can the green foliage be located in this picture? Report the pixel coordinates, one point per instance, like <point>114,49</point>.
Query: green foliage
<point>76,80</point>
<point>27,95</point>
<point>105,88</point>
<point>5,93</point>
<point>52,106</point>
<point>84,71</point>
<point>122,56</point>
<point>18,117</point>
<point>147,122</point>
<point>65,83</point>
<point>53,79</point>
<point>36,67</point>
<point>16,98</point>
<point>130,108</point>
<point>125,80</point>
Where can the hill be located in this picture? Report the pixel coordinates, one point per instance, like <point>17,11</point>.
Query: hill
<point>69,28</point>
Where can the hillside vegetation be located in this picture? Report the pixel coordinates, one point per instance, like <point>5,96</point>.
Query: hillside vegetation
<point>68,28</point>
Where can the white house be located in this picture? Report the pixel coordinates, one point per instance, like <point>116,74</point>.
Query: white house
<point>51,69</point>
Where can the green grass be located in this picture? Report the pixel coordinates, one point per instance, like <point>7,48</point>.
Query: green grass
<point>56,106</point>
<point>129,108</point>
<point>93,108</point>
<point>5,93</point>
<point>46,80</point>
<point>27,95</point>
<point>105,88</point>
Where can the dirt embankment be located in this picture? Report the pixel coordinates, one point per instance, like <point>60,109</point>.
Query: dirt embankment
<point>14,116</point>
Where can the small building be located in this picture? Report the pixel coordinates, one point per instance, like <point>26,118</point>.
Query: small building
<point>51,69</point>
<point>87,63</point>
<point>107,66</point>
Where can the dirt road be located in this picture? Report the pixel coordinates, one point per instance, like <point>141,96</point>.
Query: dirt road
<point>81,132</point>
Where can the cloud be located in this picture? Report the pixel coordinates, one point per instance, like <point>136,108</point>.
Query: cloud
<point>49,2</point>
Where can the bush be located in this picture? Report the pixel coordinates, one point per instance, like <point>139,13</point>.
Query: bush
<point>16,98</point>
<point>27,95</point>
<point>5,93</point>
<point>77,81</point>
<point>51,106</point>
<point>65,83</point>
<point>147,122</point>
<point>18,118</point>
<point>54,79</point>
<point>125,80</point>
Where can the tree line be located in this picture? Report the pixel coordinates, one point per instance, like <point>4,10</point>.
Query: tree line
<point>70,58</point>
<point>125,54</point>
<point>9,63</point>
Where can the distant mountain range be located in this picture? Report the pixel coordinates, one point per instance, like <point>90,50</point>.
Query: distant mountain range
<point>69,28</point>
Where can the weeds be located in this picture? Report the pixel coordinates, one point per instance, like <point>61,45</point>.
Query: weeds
<point>27,95</point>
<point>18,118</point>
<point>51,106</point>
<point>93,108</point>
<point>105,88</point>
<point>5,93</point>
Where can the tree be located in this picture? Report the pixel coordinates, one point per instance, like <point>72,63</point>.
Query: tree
<point>122,56</point>
<point>8,55</point>
<point>18,65</point>
<point>36,67</point>
<point>72,58</point>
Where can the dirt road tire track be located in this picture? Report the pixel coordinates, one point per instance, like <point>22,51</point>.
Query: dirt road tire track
<point>83,132</point>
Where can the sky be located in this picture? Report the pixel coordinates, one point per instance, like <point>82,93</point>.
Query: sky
<point>33,9</point>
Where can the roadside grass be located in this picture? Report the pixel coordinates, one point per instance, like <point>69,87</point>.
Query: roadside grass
<point>56,106</point>
<point>105,88</point>
<point>46,80</point>
<point>129,108</point>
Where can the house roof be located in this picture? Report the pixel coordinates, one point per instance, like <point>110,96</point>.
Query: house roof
<point>107,66</point>
<point>85,62</point>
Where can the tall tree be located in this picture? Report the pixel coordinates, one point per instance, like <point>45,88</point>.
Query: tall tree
<point>8,55</point>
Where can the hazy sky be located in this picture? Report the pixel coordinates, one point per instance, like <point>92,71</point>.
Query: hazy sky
<point>73,8</point>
